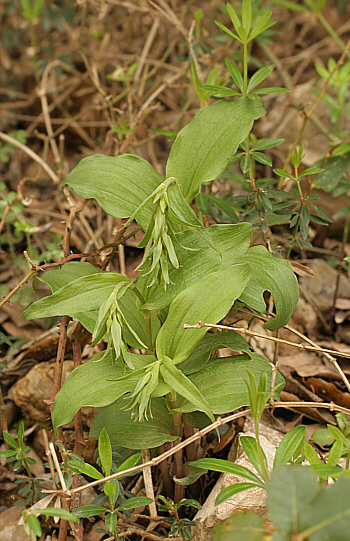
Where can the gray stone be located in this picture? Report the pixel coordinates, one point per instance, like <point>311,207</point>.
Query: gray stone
<point>10,530</point>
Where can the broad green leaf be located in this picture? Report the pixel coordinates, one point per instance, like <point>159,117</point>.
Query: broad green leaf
<point>232,490</point>
<point>327,516</point>
<point>239,527</point>
<point>221,382</point>
<point>61,276</point>
<point>289,444</point>
<point>132,503</point>
<point>84,294</point>
<point>289,491</point>
<point>225,466</point>
<point>184,387</point>
<point>231,242</point>
<point>105,451</point>
<point>259,76</point>
<point>332,173</point>
<point>199,302</point>
<point>180,208</point>
<point>58,278</point>
<point>194,157</point>
<point>275,275</point>
<point>249,445</point>
<point>89,511</point>
<point>212,342</point>
<point>123,430</point>
<point>120,184</point>
<point>94,384</point>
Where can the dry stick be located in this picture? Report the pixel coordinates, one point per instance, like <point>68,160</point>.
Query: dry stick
<point>65,492</point>
<point>309,113</point>
<point>314,347</point>
<point>198,435</point>
<point>147,478</point>
<point>44,105</point>
<point>32,154</point>
<point>144,107</point>
<point>326,353</point>
<point>146,49</point>
<point>49,457</point>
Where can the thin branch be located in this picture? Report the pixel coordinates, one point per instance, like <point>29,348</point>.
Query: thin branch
<point>32,154</point>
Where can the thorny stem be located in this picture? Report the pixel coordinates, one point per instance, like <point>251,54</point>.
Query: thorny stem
<point>341,257</point>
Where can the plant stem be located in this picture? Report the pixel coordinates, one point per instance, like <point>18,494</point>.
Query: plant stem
<point>245,68</point>
<point>179,490</point>
<point>331,31</point>
<point>260,453</point>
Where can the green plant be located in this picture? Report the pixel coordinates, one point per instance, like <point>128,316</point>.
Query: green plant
<point>5,150</point>
<point>337,437</point>
<point>315,7</point>
<point>307,510</point>
<point>113,490</point>
<point>18,455</point>
<point>178,526</point>
<point>188,274</point>
<point>288,450</point>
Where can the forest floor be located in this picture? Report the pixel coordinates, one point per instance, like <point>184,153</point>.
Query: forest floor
<point>102,77</point>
